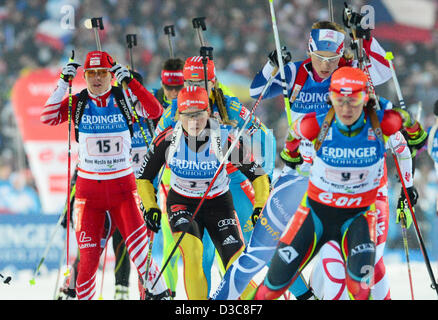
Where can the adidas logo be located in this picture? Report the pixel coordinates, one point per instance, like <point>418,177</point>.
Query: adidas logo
<point>229,240</point>
<point>180,221</point>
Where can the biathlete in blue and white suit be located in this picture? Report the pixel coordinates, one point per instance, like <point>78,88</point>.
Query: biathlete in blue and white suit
<point>228,110</point>
<point>307,83</point>
<point>194,150</point>
<point>339,205</point>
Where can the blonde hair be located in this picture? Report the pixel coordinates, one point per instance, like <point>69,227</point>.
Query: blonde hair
<point>348,54</point>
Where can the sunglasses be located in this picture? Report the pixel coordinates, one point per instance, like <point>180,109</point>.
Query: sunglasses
<point>326,59</point>
<point>97,72</point>
<point>193,115</point>
<point>171,88</point>
<point>195,83</point>
<point>353,100</point>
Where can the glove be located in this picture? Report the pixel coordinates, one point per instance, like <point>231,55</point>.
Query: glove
<point>255,215</point>
<point>152,217</point>
<point>285,55</point>
<point>291,159</point>
<point>353,20</point>
<point>69,70</point>
<point>415,139</point>
<point>403,207</point>
<point>121,73</point>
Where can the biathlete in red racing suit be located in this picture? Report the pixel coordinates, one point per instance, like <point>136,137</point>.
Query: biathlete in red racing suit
<point>344,180</point>
<point>106,184</point>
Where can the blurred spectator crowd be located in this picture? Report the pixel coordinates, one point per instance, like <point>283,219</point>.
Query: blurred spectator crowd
<point>41,33</point>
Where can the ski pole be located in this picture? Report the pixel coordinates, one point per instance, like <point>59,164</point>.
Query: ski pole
<point>199,25</point>
<point>70,106</point>
<point>330,10</point>
<point>406,248</point>
<point>131,39</point>
<point>7,279</point>
<point>59,272</point>
<point>280,64</point>
<point>206,53</point>
<point>170,32</point>
<point>218,170</point>
<point>417,229</point>
<point>46,250</point>
<point>97,24</point>
<point>389,56</point>
<point>394,155</point>
<point>103,272</point>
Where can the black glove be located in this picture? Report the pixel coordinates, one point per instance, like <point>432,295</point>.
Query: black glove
<point>403,207</point>
<point>152,217</point>
<point>137,76</point>
<point>255,215</point>
<point>69,70</point>
<point>121,73</point>
<point>353,20</point>
<point>285,55</point>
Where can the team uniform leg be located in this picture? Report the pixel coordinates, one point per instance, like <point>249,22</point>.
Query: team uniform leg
<point>328,274</point>
<point>90,220</point>
<point>180,210</point>
<point>296,248</point>
<point>285,197</point>
<point>359,250</point>
<point>170,274</point>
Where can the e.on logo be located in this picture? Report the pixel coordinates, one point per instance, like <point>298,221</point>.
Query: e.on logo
<point>342,201</point>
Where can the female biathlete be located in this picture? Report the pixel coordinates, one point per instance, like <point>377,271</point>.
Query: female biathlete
<point>193,150</point>
<point>348,165</point>
<point>307,84</point>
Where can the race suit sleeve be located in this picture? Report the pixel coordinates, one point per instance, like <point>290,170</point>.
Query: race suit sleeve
<point>55,110</point>
<point>149,106</point>
<point>401,149</point>
<point>275,89</point>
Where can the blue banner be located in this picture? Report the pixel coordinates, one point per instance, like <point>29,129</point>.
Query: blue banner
<point>23,239</point>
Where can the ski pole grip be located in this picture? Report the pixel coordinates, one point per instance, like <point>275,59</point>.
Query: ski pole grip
<point>131,39</point>
<point>205,52</point>
<point>97,23</point>
<point>199,22</point>
<point>169,30</point>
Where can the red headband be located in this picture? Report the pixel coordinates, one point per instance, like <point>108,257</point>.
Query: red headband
<point>192,97</point>
<point>172,77</point>
<point>194,68</point>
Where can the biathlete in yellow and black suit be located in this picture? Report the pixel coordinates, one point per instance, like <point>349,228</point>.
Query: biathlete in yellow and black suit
<point>193,150</point>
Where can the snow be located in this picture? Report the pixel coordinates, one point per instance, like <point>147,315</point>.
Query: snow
<point>44,288</point>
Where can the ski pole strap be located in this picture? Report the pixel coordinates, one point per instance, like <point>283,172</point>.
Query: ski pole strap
<point>375,123</point>
<point>324,128</point>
